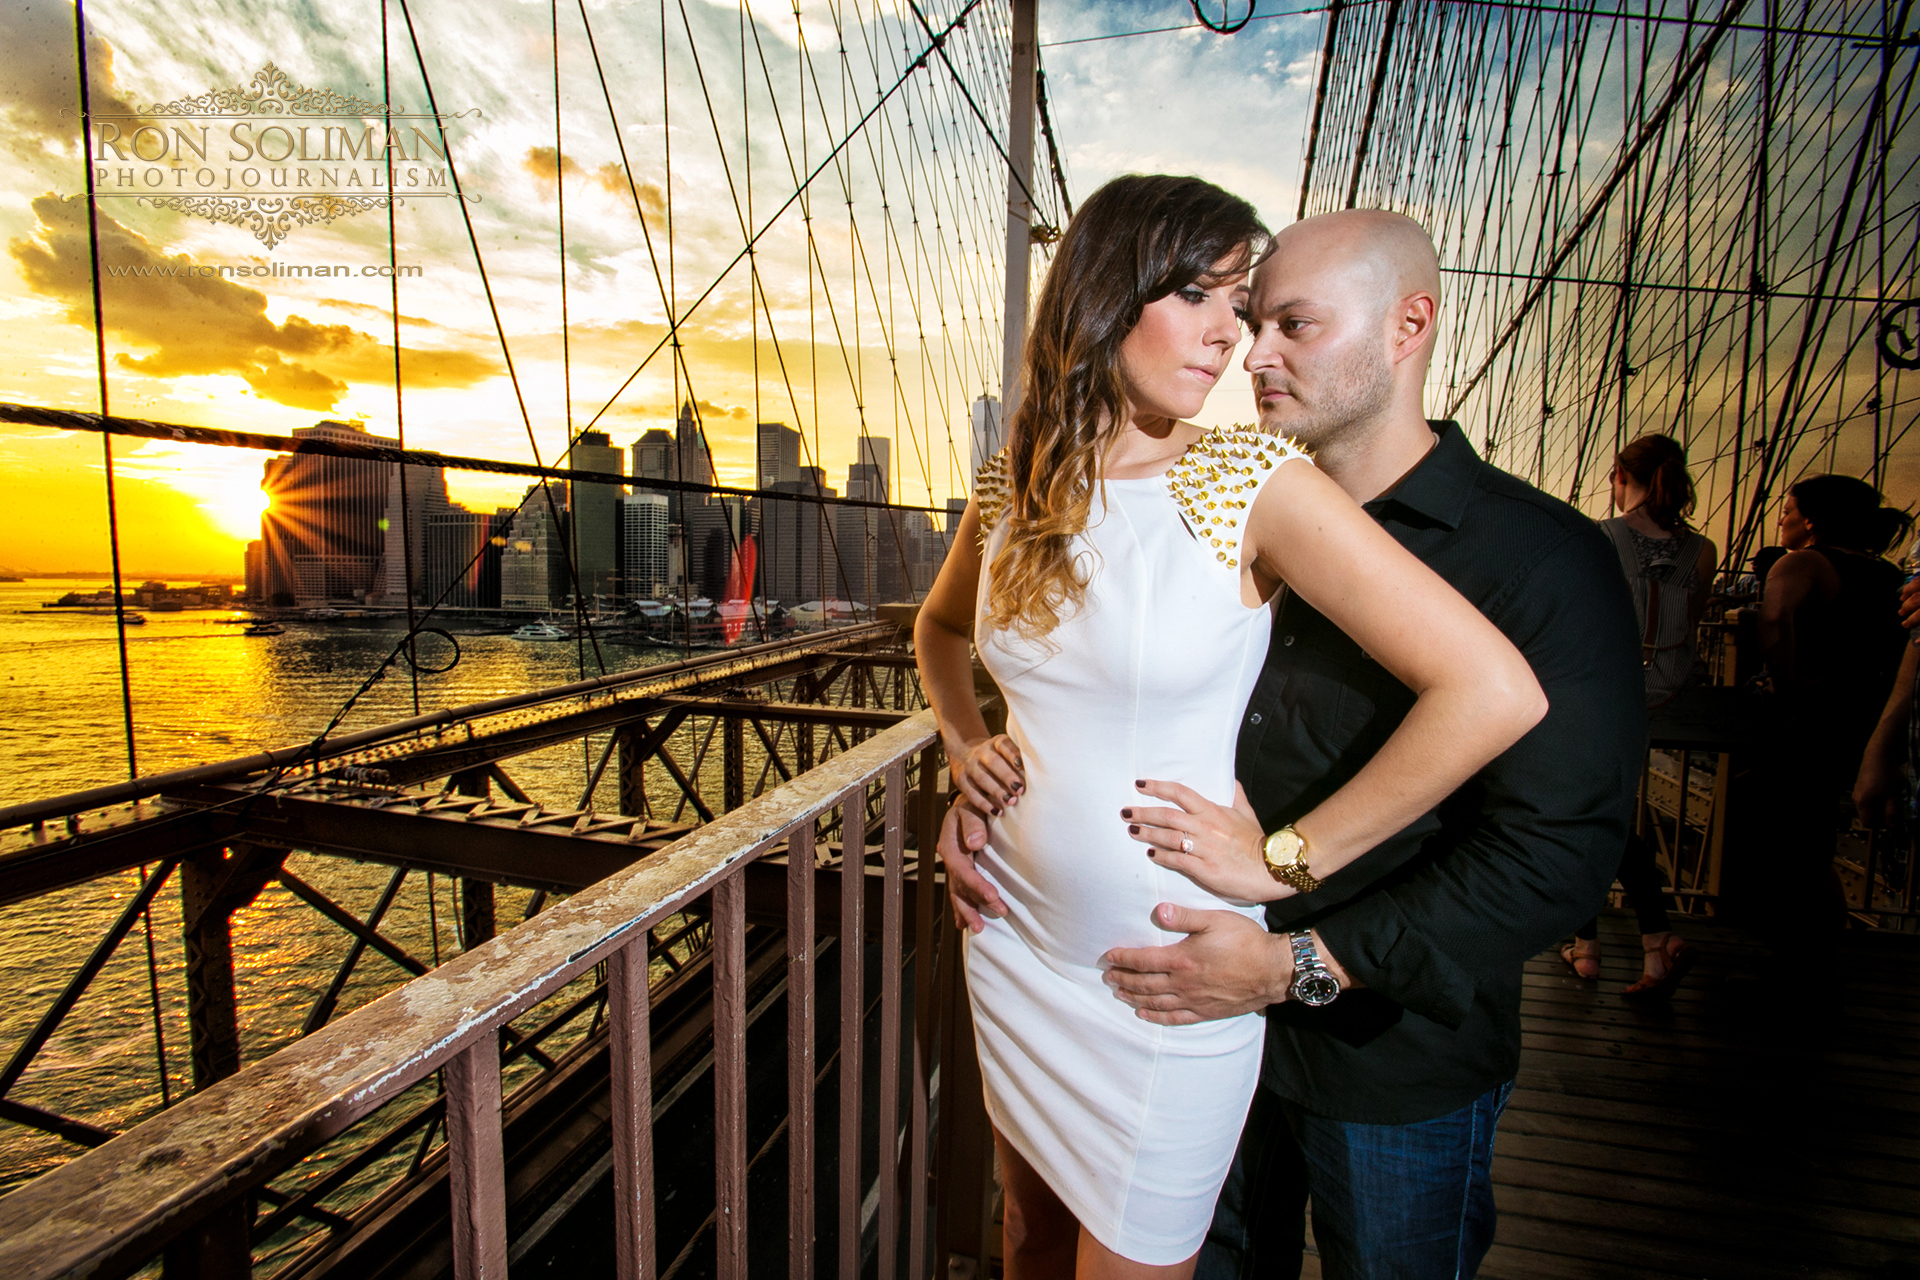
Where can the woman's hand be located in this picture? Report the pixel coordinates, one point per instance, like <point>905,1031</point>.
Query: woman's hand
<point>1219,848</point>
<point>987,772</point>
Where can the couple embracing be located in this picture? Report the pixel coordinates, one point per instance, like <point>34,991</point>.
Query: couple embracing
<point>1325,720</point>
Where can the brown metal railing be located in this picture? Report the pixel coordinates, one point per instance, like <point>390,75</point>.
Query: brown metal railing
<point>112,1209</point>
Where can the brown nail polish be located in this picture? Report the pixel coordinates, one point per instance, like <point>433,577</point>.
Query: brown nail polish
<point>1139,782</point>
<point>1133,830</point>
<point>1126,813</point>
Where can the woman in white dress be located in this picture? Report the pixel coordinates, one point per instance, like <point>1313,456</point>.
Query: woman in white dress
<point>1115,569</point>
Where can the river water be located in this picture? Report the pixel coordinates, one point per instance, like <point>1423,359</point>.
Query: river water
<point>203,692</point>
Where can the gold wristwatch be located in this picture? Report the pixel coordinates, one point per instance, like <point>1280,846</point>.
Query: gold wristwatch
<point>1286,855</point>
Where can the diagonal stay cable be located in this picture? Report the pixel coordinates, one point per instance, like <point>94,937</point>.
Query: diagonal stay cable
<point>753,241</point>
<point>1602,198</point>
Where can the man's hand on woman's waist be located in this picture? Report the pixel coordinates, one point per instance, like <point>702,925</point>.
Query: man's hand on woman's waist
<point>963,834</point>
<point>1227,965</point>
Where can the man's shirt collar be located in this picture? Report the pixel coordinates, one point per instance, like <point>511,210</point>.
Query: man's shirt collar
<point>1438,489</point>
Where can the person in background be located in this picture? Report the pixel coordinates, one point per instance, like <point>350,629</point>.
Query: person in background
<point>1831,638</point>
<point>1880,786</point>
<point>1670,567</point>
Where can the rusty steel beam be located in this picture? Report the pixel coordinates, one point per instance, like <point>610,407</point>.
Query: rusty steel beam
<point>77,985</point>
<point>109,1209</point>
<point>415,762</point>
<point>789,712</point>
<point>76,1131</point>
<point>37,860</point>
<point>323,1007</point>
<point>212,888</point>
<point>379,746</point>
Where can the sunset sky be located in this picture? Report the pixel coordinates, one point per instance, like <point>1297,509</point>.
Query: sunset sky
<point>275,353</point>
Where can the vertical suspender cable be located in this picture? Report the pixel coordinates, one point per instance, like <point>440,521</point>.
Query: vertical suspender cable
<point>399,408</point>
<point>113,510</point>
<point>581,584</point>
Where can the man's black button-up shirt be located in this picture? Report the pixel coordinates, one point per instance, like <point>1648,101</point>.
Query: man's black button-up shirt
<point>1437,921</point>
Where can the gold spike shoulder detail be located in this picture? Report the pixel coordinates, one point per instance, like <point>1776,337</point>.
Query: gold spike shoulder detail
<point>991,488</point>
<point>1209,479</point>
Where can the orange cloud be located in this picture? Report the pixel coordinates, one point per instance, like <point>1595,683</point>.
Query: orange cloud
<point>547,164</point>
<point>192,324</point>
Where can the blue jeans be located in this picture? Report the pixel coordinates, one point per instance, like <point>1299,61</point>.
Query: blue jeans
<point>1390,1201</point>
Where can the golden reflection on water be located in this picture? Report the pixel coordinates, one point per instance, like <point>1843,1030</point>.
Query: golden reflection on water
<point>202,692</point>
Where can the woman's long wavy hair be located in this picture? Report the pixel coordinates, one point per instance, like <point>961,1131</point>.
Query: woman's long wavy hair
<point>1134,241</point>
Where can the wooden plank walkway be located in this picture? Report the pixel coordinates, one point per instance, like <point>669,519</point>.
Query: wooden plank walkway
<point>1738,1131</point>
<point>1742,1130</point>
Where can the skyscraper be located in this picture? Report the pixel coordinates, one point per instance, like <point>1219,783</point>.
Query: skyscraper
<point>592,506</point>
<point>872,543</point>
<point>320,534</point>
<point>406,533</point>
<point>796,551</point>
<point>653,459</point>
<point>987,435</point>
<point>533,564</point>
<point>695,461</point>
<point>872,465</point>
<point>464,553</point>
<point>779,454</point>
<point>645,516</point>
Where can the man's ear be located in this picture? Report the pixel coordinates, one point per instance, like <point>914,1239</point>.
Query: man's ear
<point>1411,324</point>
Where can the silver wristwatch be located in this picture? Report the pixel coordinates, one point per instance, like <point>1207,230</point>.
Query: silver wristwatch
<point>1312,984</point>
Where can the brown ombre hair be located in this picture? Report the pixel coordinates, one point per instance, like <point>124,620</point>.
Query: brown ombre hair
<point>1134,241</point>
<point>1658,464</point>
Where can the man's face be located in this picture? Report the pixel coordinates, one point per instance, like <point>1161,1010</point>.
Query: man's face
<point>1319,354</point>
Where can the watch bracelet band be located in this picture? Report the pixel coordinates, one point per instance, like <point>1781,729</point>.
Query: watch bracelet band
<point>1297,876</point>
<point>1306,957</point>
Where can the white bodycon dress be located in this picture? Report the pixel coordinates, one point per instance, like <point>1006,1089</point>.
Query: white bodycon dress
<point>1132,1124</point>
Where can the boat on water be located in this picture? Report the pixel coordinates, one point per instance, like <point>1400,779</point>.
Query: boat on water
<point>265,629</point>
<point>540,631</point>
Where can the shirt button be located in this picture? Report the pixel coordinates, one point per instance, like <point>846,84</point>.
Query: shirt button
<point>1254,718</point>
<point>1287,640</point>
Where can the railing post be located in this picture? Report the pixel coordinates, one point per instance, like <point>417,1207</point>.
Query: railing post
<point>631,1063</point>
<point>730,1075</point>
<point>892,855</point>
<point>926,1025</point>
<point>476,1161</point>
<point>802,949</point>
<point>853,900</point>
<point>216,1249</point>
<point>966,1147</point>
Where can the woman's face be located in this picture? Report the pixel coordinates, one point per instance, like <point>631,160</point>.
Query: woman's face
<point>1181,346</point>
<point>1795,533</point>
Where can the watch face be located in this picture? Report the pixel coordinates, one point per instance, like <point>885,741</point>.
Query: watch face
<point>1283,847</point>
<point>1315,988</point>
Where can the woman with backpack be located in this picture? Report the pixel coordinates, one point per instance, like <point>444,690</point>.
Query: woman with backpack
<point>1670,567</point>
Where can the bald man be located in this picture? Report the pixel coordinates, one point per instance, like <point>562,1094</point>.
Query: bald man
<point>1392,991</point>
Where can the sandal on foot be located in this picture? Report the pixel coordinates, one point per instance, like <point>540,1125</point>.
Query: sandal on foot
<point>1680,961</point>
<point>1583,957</point>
